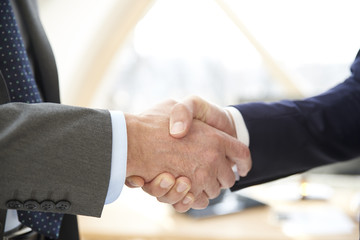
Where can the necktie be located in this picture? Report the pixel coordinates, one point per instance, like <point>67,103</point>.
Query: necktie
<point>15,67</point>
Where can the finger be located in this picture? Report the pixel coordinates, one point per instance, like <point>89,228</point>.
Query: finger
<point>200,202</point>
<point>134,182</point>
<point>160,185</point>
<point>185,204</point>
<point>238,153</point>
<point>228,176</point>
<point>212,185</point>
<point>178,192</point>
<point>213,190</point>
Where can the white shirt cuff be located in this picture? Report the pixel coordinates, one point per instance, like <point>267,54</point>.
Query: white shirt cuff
<point>11,220</point>
<point>119,156</point>
<point>242,132</point>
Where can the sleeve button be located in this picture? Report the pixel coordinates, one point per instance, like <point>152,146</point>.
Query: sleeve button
<point>47,205</point>
<point>14,204</point>
<point>63,206</point>
<point>31,205</point>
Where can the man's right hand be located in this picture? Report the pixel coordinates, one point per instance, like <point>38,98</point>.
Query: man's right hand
<point>205,155</point>
<point>184,113</point>
<point>181,121</point>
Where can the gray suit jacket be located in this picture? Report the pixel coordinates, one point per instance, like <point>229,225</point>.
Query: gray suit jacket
<point>50,151</point>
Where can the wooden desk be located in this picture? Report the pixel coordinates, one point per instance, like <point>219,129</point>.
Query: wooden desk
<point>155,221</point>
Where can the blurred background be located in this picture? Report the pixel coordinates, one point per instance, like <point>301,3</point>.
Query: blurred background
<point>131,54</point>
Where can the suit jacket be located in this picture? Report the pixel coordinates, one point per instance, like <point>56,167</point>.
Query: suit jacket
<point>289,137</point>
<point>50,151</point>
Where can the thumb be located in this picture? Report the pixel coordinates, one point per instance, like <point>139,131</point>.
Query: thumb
<point>181,117</point>
<point>193,107</point>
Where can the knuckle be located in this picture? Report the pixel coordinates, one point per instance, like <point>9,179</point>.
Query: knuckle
<point>171,102</point>
<point>158,194</point>
<point>166,200</point>
<point>180,208</point>
<point>228,184</point>
<point>231,180</point>
<point>193,98</point>
<point>203,204</point>
<point>153,191</point>
<point>213,157</point>
<point>214,193</point>
<point>201,201</point>
<point>179,107</point>
<point>161,199</point>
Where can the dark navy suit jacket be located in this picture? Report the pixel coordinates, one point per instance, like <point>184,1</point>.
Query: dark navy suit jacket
<point>289,137</point>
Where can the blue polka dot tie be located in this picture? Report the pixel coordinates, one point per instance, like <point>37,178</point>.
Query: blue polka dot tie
<point>15,68</point>
<point>15,65</point>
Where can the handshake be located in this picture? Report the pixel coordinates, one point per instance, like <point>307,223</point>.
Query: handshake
<point>183,153</point>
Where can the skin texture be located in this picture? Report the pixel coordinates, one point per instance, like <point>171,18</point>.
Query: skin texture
<point>195,161</point>
<point>195,108</point>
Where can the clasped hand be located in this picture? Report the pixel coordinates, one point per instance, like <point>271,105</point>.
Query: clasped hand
<point>183,152</point>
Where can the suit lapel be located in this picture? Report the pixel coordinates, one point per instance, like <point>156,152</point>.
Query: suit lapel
<point>44,61</point>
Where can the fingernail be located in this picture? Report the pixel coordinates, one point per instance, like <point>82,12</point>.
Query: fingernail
<point>187,200</point>
<point>165,183</point>
<point>132,183</point>
<point>181,187</point>
<point>177,127</point>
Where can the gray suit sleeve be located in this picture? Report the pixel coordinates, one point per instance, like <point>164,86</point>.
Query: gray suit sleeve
<point>51,152</point>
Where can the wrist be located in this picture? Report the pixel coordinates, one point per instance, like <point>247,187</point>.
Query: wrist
<point>132,127</point>
<point>143,135</point>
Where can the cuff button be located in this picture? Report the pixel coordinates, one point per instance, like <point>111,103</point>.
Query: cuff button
<point>31,205</point>
<point>63,205</point>
<point>14,204</point>
<point>47,205</point>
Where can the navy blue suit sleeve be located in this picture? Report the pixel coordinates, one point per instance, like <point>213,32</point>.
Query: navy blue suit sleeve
<point>289,137</point>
